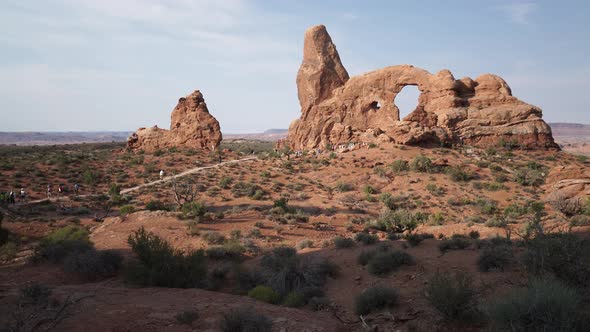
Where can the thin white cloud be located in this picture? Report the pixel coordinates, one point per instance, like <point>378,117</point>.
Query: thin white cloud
<point>519,12</point>
<point>349,16</point>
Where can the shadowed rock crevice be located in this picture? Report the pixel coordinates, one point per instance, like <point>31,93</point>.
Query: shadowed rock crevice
<point>337,109</point>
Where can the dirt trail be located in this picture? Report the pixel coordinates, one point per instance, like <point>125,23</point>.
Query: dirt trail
<point>141,186</point>
<point>185,173</point>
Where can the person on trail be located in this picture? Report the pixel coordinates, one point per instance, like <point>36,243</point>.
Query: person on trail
<point>23,194</point>
<point>60,190</point>
<point>48,191</point>
<point>161,174</point>
<point>76,188</point>
<point>12,197</point>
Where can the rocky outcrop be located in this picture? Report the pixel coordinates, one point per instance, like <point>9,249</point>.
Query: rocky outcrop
<point>337,109</point>
<point>191,127</point>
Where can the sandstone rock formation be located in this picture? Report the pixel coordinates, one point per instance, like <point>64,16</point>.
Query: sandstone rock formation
<point>337,109</point>
<point>191,127</point>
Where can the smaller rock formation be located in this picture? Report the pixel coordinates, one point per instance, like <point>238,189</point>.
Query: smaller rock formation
<point>191,127</point>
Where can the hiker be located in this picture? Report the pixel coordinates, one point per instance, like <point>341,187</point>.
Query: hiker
<point>48,191</point>
<point>76,188</point>
<point>161,174</point>
<point>60,189</point>
<point>23,194</point>
<point>11,197</point>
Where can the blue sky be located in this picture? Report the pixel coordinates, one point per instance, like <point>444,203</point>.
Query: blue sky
<point>78,65</point>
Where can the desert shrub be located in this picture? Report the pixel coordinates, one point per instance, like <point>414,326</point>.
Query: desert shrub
<point>229,250</point>
<point>399,166</point>
<point>399,221</point>
<point>474,235</point>
<point>225,182</point>
<point>126,209</point>
<point>343,242</point>
<point>385,262</point>
<point>187,317</point>
<point>90,177</point>
<point>244,320</point>
<point>318,303</point>
<point>562,255</point>
<point>306,243</point>
<point>495,257</point>
<point>241,189</point>
<point>452,296</point>
<point>155,205</point>
<point>460,174</point>
<point>366,238</point>
<point>163,266</point>
<point>435,190</point>
<point>415,239</point>
<point>368,190</point>
<point>374,299</point>
<point>421,164</point>
<point>93,264</point>
<point>343,187</point>
<point>193,210</point>
<point>529,177</point>
<point>456,242</point>
<point>487,206</point>
<point>264,294</point>
<point>288,272</point>
<point>8,250</point>
<point>367,255</point>
<point>294,300</point>
<point>545,305</point>
<point>497,221</point>
<point>62,242</point>
<point>213,237</point>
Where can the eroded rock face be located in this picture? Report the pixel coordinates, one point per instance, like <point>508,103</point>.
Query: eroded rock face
<point>337,109</point>
<point>191,127</point>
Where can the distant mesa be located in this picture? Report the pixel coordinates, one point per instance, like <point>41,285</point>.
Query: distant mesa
<point>191,127</point>
<point>338,109</point>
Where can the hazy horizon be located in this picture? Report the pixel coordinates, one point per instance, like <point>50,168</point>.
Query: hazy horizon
<point>113,65</point>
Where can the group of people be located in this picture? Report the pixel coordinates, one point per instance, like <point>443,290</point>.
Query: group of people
<point>61,190</point>
<point>10,196</point>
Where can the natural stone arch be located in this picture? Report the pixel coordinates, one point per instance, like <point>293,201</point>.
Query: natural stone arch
<point>417,98</point>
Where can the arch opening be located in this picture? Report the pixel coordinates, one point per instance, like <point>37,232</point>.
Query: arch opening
<point>406,100</point>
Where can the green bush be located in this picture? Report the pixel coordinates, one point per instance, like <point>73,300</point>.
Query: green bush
<point>318,303</point>
<point>287,272</point>
<point>399,166</point>
<point>366,238</point>
<point>415,239</point>
<point>474,235</point>
<point>126,209</point>
<point>163,266</point>
<point>343,242</point>
<point>229,250</point>
<point>452,296</point>
<point>399,221</point>
<point>225,182</point>
<point>294,300</point>
<point>343,187</point>
<point>374,299</point>
<point>456,242</point>
<point>213,237</point>
<point>545,305</point>
<point>193,210</point>
<point>385,262</point>
<point>155,205</point>
<point>93,264</point>
<point>460,174</point>
<point>495,257</point>
<point>61,243</point>
<point>244,320</point>
<point>421,164</point>
<point>529,177</point>
<point>563,255</point>
<point>264,294</point>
